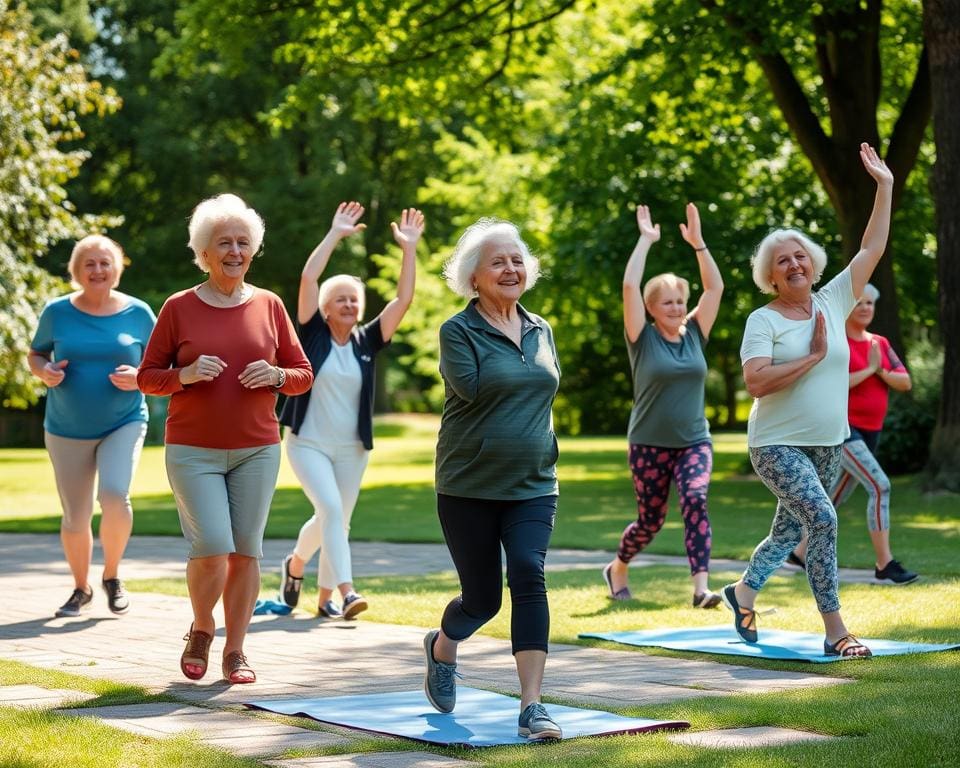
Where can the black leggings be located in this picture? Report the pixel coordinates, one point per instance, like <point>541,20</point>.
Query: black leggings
<point>474,530</point>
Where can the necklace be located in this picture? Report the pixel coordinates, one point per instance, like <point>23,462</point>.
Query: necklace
<point>796,307</point>
<point>237,297</point>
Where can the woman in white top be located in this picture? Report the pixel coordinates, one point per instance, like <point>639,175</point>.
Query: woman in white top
<point>795,359</point>
<point>330,428</point>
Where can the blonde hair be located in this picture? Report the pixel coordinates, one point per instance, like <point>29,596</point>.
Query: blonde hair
<point>328,286</point>
<point>762,258</point>
<point>459,268</point>
<point>219,210</point>
<point>96,241</point>
<point>667,280</point>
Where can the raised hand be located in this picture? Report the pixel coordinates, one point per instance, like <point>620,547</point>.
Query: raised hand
<point>818,344</point>
<point>874,165</point>
<point>691,230</point>
<point>260,373</point>
<point>204,368</point>
<point>124,377</point>
<point>410,228</point>
<point>346,218</point>
<point>52,373</point>
<point>645,223</point>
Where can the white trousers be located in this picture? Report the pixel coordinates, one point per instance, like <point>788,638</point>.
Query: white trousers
<point>330,476</point>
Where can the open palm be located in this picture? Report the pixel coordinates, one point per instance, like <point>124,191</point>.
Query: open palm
<point>346,218</point>
<point>410,228</point>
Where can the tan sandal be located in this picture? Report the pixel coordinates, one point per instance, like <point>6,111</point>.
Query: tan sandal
<point>193,661</point>
<point>236,668</point>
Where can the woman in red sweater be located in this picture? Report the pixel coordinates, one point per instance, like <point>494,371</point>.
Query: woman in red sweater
<point>222,350</point>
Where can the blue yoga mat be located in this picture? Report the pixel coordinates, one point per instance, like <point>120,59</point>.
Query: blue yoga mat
<point>774,643</point>
<point>481,718</point>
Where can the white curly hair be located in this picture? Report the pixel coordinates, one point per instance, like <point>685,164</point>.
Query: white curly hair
<point>459,268</point>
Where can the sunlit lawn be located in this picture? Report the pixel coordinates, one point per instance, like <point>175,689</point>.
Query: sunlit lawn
<point>901,711</point>
<point>596,501</point>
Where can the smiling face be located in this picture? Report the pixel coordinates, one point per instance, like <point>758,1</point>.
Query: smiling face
<point>229,253</point>
<point>96,269</point>
<point>500,275</point>
<point>342,305</point>
<point>668,308</point>
<point>791,269</point>
<point>862,314</point>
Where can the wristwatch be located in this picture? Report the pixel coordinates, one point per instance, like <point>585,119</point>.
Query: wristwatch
<point>282,380</point>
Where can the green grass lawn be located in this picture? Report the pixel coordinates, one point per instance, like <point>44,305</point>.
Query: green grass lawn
<point>898,711</point>
<point>596,501</point>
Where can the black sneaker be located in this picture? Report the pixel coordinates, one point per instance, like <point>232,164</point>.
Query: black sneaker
<point>78,601</point>
<point>117,600</point>
<point>894,573</point>
<point>289,585</point>
<point>353,604</point>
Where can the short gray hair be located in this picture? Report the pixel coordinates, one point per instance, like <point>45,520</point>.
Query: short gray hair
<point>218,210</point>
<point>763,256</point>
<point>462,263</point>
<point>870,292</point>
<point>84,244</point>
<point>328,286</point>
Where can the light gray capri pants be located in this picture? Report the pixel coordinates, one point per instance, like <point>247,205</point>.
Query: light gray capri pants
<point>223,496</point>
<point>77,463</point>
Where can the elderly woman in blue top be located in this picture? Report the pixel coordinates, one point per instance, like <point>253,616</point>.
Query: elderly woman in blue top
<point>795,359</point>
<point>496,474</point>
<point>86,350</point>
<point>330,427</point>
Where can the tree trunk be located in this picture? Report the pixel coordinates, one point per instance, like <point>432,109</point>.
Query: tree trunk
<point>941,25</point>
<point>848,60</point>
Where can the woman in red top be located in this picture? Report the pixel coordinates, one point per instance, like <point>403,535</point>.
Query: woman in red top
<point>222,350</point>
<point>875,369</point>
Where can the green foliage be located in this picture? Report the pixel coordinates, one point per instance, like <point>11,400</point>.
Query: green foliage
<point>44,93</point>
<point>905,444</point>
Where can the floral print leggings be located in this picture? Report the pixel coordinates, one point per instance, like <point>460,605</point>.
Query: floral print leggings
<point>653,468</point>
<point>797,476</point>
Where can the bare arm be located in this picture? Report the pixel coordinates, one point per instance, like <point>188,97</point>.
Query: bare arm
<point>634,313</point>
<point>709,305</point>
<point>344,224</point>
<point>874,240</point>
<point>762,377</point>
<point>407,233</point>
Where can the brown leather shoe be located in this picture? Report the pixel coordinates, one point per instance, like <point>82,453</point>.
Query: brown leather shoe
<point>236,668</point>
<point>193,661</point>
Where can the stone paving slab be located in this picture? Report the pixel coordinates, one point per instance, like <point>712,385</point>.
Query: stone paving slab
<point>375,760</point>
<point>237,733</point>
<point>730,738</point>
<point>153,557</point>
<point>299,656</point>
<point>34,697</point>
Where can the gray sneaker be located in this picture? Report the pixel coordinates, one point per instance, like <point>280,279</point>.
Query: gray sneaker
<point>78,601</point>
<point>439,679</point>
<point>536,724</point>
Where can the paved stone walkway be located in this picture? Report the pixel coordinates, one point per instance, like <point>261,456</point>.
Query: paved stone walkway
<point>300,656</point>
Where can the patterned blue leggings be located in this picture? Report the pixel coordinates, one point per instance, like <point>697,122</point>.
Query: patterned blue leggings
<point>797,476</point>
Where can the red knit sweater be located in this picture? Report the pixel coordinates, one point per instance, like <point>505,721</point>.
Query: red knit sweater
<point>222,413</point>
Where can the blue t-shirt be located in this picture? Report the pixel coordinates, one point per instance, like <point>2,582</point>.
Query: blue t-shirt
<point>86,405</point>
